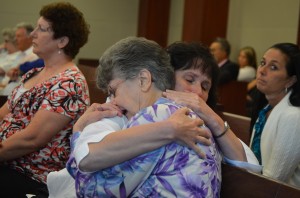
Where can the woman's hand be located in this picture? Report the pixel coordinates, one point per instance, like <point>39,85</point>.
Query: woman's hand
<point>188,131</point>
<point>190,100</point>
<point>95,113</point>
<point>198,105</point>
<point>229,144</point>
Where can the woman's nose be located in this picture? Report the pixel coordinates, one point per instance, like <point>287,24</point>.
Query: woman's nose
<point>33,32</point>
<point>198,90</point>
<point>261,70</point>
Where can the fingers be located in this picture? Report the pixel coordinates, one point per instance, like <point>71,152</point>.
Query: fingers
<point>203,131</point>
<point>198,151</point>
<point>93,107</point>
<point>199,122</point>
<point>183,111</point>
<point>103,107</point>
<point>204,141</point>
<point>92,116</point>
<point>108,114</point>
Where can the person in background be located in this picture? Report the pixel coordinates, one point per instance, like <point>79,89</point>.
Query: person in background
<point>24,44</point>
<point>11,57</point>
<point>220,48</point>
<point>23,68</point>
<point>247,62</point>
<point>3,51</point>
<point>37,120</point>
<point>276,128</point>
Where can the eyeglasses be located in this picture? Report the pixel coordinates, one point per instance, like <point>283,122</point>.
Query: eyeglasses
<point>39,28</point>
<point>112,91</point>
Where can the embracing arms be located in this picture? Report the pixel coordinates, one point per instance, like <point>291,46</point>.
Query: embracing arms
<point>117,146</point>
<point>229,144</point>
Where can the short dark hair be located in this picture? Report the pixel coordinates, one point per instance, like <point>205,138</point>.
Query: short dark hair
<point>67,20</point>
<point>184,56</point>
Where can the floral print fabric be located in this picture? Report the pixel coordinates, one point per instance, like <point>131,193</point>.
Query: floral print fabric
<point>170,171</point>
<point>66,94</point>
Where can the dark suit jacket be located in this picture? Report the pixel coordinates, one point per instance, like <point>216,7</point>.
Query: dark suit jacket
<point>228,72</point>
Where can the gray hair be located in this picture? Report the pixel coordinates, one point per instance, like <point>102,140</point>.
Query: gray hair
<point>27,26</point>
<point>9,34</point>
<point>126,58</point>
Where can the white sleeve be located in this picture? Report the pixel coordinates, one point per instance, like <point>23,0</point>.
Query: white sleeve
<point>284,156</point>
<point>61,184</point>
<point>95,132</point>
<point>252,163</point>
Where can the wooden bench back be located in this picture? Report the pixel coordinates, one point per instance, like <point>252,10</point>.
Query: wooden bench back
<point>232,96</point>
<point>88,68</point>
<point>239,183</point>
<point>240,125</point>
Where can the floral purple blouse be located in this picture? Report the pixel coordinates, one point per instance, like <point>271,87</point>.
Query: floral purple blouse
<point>66,94</point>
<point>170,171</point>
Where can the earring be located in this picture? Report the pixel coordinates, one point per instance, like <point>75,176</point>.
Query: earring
<point>59,51</point>
<point>286,90</point>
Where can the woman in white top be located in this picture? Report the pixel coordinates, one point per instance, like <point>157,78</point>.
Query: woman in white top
<point>247,63</point>
<point>276,132</point>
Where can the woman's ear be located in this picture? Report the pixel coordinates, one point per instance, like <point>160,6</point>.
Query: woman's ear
<point>292,80</point>
<point>63,41</point>
<point>145,79</point>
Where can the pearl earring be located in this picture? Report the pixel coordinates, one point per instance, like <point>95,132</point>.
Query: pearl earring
<point>59,51</point>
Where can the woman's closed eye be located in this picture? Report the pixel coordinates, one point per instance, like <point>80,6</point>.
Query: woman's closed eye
<point>190,80</point>
<point>205,86</point>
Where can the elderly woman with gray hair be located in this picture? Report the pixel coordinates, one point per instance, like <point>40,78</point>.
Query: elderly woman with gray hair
<point>136,71</point>
<point>12,51</point>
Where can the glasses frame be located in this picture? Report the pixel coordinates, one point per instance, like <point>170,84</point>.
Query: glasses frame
<point>112,91</point>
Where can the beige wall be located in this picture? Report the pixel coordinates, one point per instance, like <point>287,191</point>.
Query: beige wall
<point>262,23</point>
<point>259,23</point>
<point>110,20</point>
<point>176,21</point>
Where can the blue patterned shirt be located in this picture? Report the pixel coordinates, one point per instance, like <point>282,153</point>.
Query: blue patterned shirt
<point>169,171</point>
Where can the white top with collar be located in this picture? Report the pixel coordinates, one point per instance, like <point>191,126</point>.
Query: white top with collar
<point>280,146</point>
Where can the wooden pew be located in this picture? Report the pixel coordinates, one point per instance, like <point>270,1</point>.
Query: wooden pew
<point>88,68</point>
<point>232,96</point>
<point>239,183</point>
<point>88,61</point>
<point>240,125</point>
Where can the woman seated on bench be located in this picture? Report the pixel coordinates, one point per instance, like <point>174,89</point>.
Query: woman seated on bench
<point>276,133</point>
